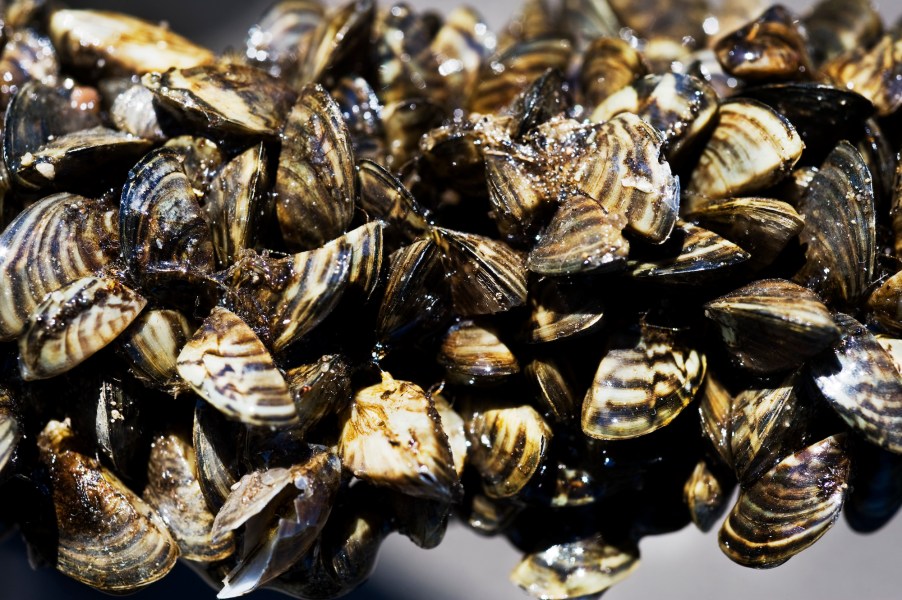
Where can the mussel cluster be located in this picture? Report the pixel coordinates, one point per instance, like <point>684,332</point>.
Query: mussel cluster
<point>572,283</point>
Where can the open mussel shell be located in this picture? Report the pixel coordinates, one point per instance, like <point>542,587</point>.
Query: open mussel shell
<point>772,325</point>
<point>108,537</point>
<point>886,304</point>
<point>10,427</point>
<point>839,233</point>
<point>858,378</point>
<point>609,65</point>
<point>837,26</point>
<point>679,106</point>
<point>67,158</point>
<point>392,435</point>
<point>290,296</point>
<point>875,73</point>
<point>641,386</point>
<point>227,98</point>
<point>164,232</point>
<point>706,496</point>
<point>625,171</point>
<point>73,323</point>
<point>508,444</point>
<point>315,180</point>
<point>751,148</point>
<point>29,268</point>
<point>320,388</point>
<point>472,353</point>
<point>283,511</point>
<point>152,344</point>
<point>561,309</point>
<point>790,507</point>
<point>581,568</point>
<point>120,44</point>
<point>229,367</point>
<point>486,275</point>
<point>767,422</point>
<point>582,237</point>
<point>761,226</point>
<point>772,47</point>
<point>235,203</point>
<point>174,492</point>
<point>692,255</point>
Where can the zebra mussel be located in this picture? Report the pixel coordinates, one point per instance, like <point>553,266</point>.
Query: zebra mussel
<point>572,283</point>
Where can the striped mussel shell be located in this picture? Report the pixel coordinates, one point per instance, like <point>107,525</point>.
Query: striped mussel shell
<point>320,388</point>
<point>751,148</point>
<point>32,264</point>
<point>383,196</point>
<point>859,379</point>
<point>405,123</point>
<point>893,346</point>
<point>609,65</point>
<point>286,298</point>
<point>582,237</point>
<point>473,353</point>
<point>672,21</point>
<point>283,510</point>
<point>10,427</point>
<point>885,304</point>
<point>116,43</point>
<point>875,73</point>
<point>532,20</point>
<point>227,365</point>
<point>641,385</point>
<point>201,159</point>
<point>461,45</point>
<point>407,66</point>
<point>624,170</point>
<point>454,426</point>
<point>283,33</point>
<point>108,537</point>
<point>416,298</point>
<point>505,77</point>
<point>315,181</point>
<point>152,344</point>
<point>236,202</point>
<point>555,392</point>
<point>174,492</point>
<point>580,568</point>
<point>767,422</point>
<point>706,495</point>
<point>338,38</point>
<point>771,48</point>
<point>365,245</point>
<point>486,275</point>
<point>164,232</point>
<point>835,27</point>
<point>840,232</point>
<point>761,226</point>
<point>519,194</point>
<point>508,444</point>
<point>543,99</point>
<point>361,110</point>
<point>692,255</point>
<point>225,98</point>
<point>772,325</point>
<point>73,323</point>
<point>680,106</point>
<point>790,507</point>
<point>216,441</point>
<point>560,309</point>
<point>715,408</point>
<point>27,55</point>
<point>392,436</point>
<point>133,111</point>
<point>590,19</point>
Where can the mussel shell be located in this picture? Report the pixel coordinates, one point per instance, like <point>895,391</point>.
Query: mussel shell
<point>582,237</point>
<point>152,344</point>
<point>133,111</point>
<point>163,229</point>
<point>472,353</point>
<point>216,442</point>
<point>120,44</point>
<point>320,389</point>
<point>174,492</point>
<point>461,45</point>
<point>73,323</point>
<point>641,387</point>
<point>508,444</point>
<point>519,194</point>
<point>383,196</point>
<point>885,304</point>
<point>772,47</point>
<point>392,435</point>
<point>609,65</point>
<point>365,245</point>
<point>560,309</point>
<point>26,56</point>
<point>236,203</point>
<point>715,407</point>
<point>362,113</point>
<point>405,123</point>
<point>282,35</point>
<point>839,233</point>
<point>201,159</point>
<point>227,365</point>
<point>10,427</point>
<point>789,508</point>
<point>875,73</point>
<point>453,425</point>
<point>837,26</point>
<point>224,98</point>
<point>108,537</point>
<point>772,325</point>
<point>338,38</point>
<point>554,390</point>
<point>751,148</point>
<point>860,381</point>
<point>706,496</point>
<point>85,230</point>
<point>315,180</point>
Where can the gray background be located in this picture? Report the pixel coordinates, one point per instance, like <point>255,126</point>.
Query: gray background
<point>682,565</point>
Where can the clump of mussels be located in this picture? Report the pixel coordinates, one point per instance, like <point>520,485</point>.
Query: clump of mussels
<point>572,283</point>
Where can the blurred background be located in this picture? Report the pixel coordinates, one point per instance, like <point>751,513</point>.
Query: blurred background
<point>683,565</point>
